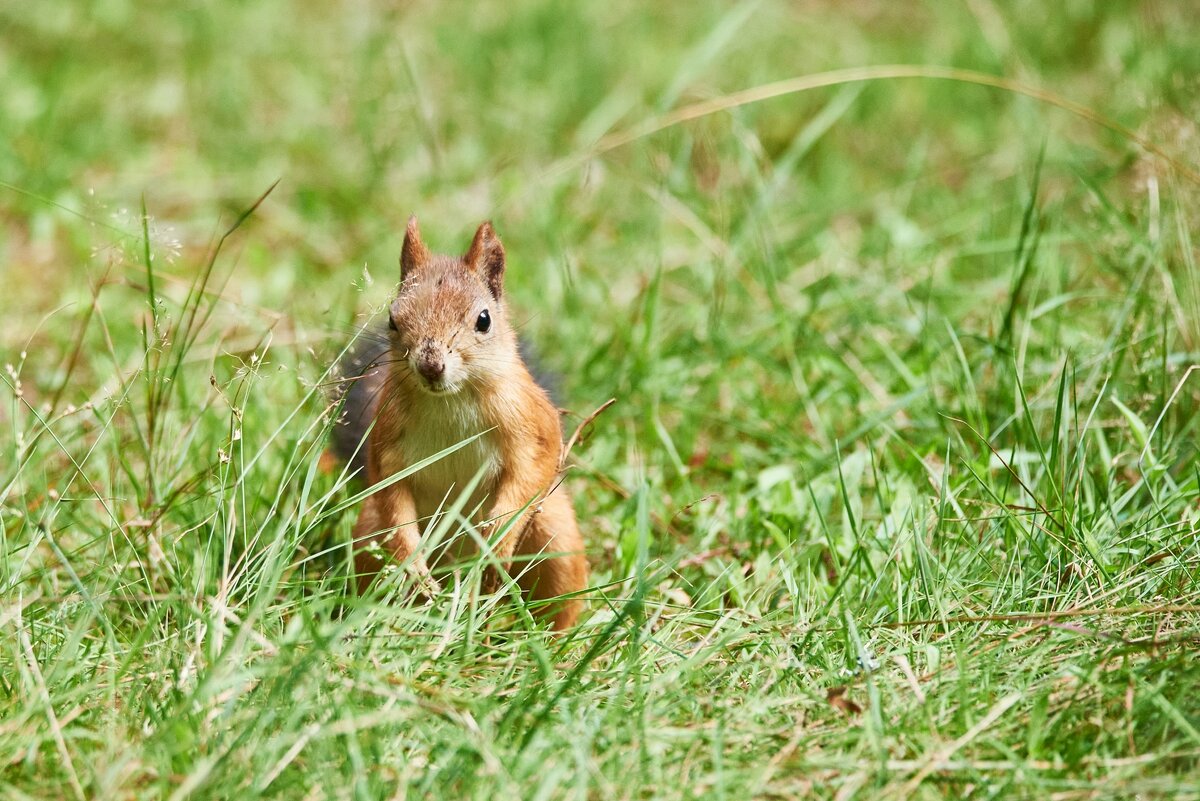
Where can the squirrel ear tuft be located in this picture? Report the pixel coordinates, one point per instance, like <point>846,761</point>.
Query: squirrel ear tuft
<point>486,257</point>
<point>413,253</point>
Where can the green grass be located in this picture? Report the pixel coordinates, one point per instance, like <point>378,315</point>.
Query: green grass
<point>899,497</point>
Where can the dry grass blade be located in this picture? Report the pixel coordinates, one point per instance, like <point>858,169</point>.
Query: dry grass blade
<point>885,72</point>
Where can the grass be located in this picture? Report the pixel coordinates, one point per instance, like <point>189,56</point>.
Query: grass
<point>899,497</point>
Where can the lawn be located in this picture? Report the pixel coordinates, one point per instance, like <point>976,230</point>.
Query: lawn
<point>899,496</point>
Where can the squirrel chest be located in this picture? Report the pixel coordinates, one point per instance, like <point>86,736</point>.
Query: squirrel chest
<point>426,428</point>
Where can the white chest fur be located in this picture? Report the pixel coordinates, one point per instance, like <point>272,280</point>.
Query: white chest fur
<point>438,423</point>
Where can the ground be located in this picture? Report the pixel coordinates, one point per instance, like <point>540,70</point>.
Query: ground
<point>899,495</point>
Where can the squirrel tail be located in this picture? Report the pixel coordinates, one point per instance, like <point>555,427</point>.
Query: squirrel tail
<point>358,392</point>
<point>542,375</point>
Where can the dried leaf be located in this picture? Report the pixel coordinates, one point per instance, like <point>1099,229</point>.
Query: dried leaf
<point>836,696</point>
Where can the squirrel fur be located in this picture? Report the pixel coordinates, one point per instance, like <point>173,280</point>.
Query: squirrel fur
<point>450,368</point>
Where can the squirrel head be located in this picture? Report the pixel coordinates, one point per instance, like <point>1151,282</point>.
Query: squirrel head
<point>448,324</point>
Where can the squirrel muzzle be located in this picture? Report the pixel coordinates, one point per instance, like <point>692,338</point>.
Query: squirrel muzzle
<point>430,363</point>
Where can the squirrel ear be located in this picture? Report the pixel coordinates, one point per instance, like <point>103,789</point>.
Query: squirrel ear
<point>413,253</point>
<point>486,257</point>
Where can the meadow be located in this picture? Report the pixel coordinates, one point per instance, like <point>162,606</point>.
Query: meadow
<point>899,496</point>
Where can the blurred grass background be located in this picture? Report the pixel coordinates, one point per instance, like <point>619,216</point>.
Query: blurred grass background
<point>883,352</point>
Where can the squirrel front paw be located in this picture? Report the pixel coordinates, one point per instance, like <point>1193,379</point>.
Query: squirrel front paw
<point>425,585</point>
<point>492,580</point>
<point>422,583</point>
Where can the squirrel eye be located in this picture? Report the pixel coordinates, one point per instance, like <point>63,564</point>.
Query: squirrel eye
<point>392,324</point>
<point>484,322</point>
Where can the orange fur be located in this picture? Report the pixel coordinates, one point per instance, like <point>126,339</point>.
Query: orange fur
<point>446,381</point>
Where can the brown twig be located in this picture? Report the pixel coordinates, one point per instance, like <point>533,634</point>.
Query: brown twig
<point>702,557</point>
<point>566,451</point>
<point>535,506</point>
<point>1042,616</point>
<point>1011,471</point>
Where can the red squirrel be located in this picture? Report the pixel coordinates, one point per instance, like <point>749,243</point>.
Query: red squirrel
<point>450,370</point>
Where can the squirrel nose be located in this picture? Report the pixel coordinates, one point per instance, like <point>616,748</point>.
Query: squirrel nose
<point>431,366</point>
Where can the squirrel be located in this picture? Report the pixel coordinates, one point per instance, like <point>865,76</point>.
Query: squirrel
<point>450,369</point>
